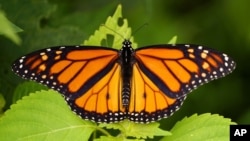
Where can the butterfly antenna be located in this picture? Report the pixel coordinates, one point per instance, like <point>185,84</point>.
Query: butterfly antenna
<point>139,28</point>
<point>113,30</point>
<point>133,33</point>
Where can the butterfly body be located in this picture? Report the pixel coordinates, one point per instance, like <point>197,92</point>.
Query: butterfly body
<point>107,85</point>
<point>127,61</point>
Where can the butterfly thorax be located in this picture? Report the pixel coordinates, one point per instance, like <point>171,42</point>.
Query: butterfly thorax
<point>126,58</point>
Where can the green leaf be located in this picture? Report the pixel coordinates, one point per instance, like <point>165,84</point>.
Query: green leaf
<point>8,29</point>
<point>137,130</point>
<point>205,127</point>
<point>112,28</point>
<point>173,40</point>
<point>25,89</point>
<point>43,116</point>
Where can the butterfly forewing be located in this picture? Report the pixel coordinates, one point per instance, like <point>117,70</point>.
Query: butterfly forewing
<point>178,69</point>
<point>67,69</point>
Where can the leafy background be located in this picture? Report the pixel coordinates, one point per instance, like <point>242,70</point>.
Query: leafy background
<point>223,25</point>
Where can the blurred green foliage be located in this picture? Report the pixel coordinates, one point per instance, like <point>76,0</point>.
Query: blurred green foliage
<point>8,29</point>
<point>223,25</point>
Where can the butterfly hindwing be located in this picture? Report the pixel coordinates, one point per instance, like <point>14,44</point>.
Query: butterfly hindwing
<point>102,102</point>
<point>147,102</point>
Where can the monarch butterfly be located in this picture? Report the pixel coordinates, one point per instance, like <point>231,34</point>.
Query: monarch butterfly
<point>108,85</point>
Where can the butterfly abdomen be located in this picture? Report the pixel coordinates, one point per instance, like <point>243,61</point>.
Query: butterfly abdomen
<point>126,90</point>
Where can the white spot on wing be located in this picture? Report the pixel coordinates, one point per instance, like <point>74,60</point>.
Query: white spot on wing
<point>20,66</point>
<point>200,47</point>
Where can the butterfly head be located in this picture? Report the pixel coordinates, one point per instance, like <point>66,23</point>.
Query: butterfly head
<point>126,44</point>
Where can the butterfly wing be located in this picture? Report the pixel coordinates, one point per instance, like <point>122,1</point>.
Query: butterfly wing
<point>147,102</point>
<point>164,74</point>
<point>177,70</point>
<point>88,78</point>
<point>103,101</point>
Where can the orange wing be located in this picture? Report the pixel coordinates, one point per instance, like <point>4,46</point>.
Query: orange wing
<point>164,74</point>
<point>88,77</point>
<point>147,102</point>
<point>103,101</point>
<point>178,70</point>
